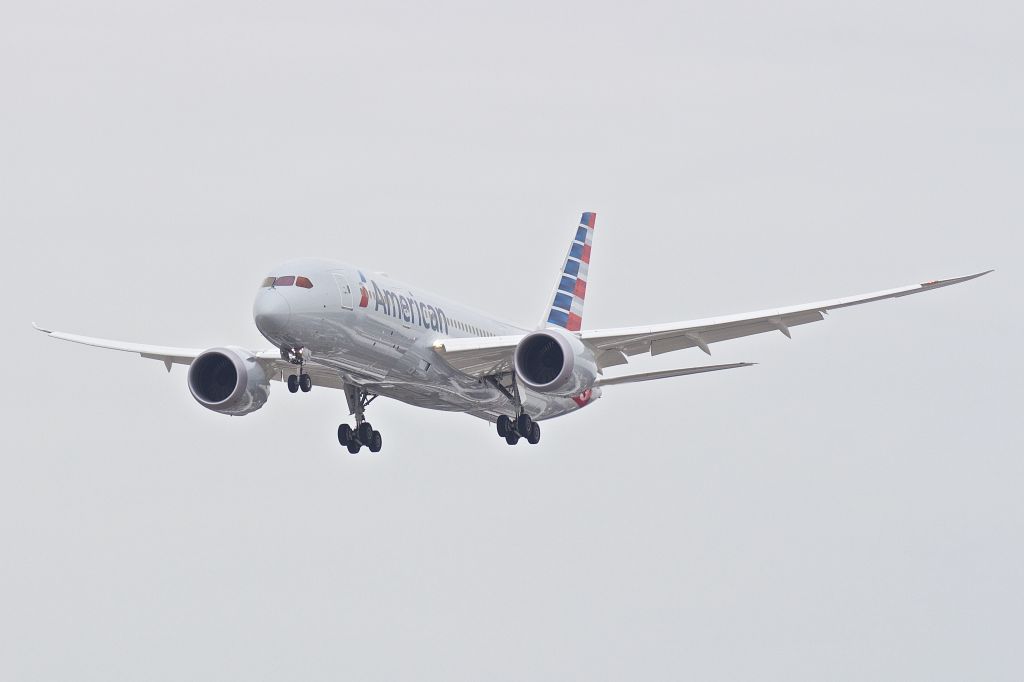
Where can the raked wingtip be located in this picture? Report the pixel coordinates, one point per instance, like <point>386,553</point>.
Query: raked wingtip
<point>977,275</point>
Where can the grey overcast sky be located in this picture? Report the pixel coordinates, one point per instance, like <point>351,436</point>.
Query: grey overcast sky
<point>849,509</point>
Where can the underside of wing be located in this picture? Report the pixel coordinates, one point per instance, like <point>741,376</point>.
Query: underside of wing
<point>611,346</point>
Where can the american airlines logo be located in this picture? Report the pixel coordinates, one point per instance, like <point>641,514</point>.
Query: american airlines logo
<point>405,308</point>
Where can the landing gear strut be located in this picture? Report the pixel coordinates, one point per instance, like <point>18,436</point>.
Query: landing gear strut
<point>363,433</point>
<point>521,425</point>
<point>303,381</point>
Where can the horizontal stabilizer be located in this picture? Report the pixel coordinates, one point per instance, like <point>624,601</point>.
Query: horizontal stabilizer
<point>665,374</point>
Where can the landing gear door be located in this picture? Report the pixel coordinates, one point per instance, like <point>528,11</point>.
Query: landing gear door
<point>345,289</point>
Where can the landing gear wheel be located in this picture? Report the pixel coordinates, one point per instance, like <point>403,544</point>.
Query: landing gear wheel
<point>305,383</point>
<point>353,446</point>
<point>504,425</point>
<point>365,432</point>
<point>375,442</point>
<point>524,424</point>
<point>512,438</point>
<point>344,434</point>
<point>293,383</point>
<point>534,436</point>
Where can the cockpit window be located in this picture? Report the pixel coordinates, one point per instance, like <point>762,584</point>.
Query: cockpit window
<point>287,281</point>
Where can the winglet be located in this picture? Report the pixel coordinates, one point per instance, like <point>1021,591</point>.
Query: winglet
<point>38,328</point>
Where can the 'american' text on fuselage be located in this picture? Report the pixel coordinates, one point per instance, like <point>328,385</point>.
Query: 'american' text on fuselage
<point>409,309</point>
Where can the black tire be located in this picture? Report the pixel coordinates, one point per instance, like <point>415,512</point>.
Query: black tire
<point>344,434</point>
<point>305,383</point>
<point>365,432</point>
<point>504,425</point>
<point>375,442</point>
<point>524,424</point>
<point>353,446</point>
<point>534,436</point>
<point>512,438</point>
<point>293,383</point>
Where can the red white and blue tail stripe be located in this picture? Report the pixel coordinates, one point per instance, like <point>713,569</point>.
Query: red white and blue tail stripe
<point>567,304</point>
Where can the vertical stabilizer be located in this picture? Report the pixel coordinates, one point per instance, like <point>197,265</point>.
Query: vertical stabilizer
<point>566,308</point>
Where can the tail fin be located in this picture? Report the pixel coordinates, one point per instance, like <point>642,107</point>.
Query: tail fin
<point>566,309</point>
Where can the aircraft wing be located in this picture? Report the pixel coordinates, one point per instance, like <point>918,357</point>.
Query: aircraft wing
<point>479,356</point>
<point>612,345</point>
<point>276,368</point>
<point>490,356</point>
<point>168,354</point>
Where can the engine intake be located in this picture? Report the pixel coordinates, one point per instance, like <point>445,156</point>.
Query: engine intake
<point>229,381</point>
<point>555,362</point>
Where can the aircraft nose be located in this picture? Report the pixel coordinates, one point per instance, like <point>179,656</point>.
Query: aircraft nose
<point>271,313</point>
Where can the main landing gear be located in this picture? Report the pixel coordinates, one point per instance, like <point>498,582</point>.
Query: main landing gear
<point>520,426</point>
<point>363,433</point>
<point>303,381</point>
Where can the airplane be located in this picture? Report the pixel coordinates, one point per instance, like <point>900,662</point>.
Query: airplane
<point>339,326</point>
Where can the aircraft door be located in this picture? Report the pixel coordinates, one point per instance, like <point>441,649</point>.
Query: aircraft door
<point>345,289</point>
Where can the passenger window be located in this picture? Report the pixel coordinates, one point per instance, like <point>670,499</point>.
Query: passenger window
<point>268,282</point>
<point>285,281</point>
<point>303,282</point>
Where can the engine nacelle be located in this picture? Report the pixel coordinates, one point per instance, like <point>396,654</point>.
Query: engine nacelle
<point>228,380</point>
<point>556,362</point>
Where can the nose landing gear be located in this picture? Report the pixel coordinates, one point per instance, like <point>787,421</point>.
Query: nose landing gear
<point>363,433</point>
<point>303,382</point>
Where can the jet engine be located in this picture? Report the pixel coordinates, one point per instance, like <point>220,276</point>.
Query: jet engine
<point>556,362</point>
<point>228,380</point>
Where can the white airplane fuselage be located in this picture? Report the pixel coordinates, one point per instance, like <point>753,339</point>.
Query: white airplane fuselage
<point>369,327</point>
